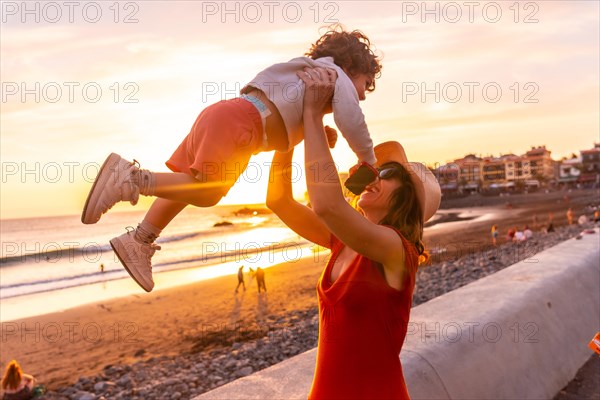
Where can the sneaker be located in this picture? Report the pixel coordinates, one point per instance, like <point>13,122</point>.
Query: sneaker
<point>136,257</point>
<point>113,184</point>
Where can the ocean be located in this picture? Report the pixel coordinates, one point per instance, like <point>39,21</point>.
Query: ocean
<point>51,264</point>
<point>43,255</point>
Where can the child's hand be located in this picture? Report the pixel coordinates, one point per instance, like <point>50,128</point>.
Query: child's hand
<point>332,136</point>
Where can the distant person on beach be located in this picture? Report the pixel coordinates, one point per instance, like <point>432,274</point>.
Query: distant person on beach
<point>18,385</point>
<point>101,267</point>
<point>252,273</point>
<point>570,216</point>
<point>365,291</point>
<point>510,235</point>
<point>240,277</point>
<point>267,116</point>
<point>260,279</point>
<point>583,219</point>
<point>528,233</point>
<point>519,236</point>
<point>494,234</point>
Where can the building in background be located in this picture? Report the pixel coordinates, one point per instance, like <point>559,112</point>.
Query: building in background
<point>517,168</point>
<point>509,172</point>
<point>493,173</point>
<point>541,164</point>
<point>569,171</point>
<point>447,176</point>
<point>590,167</point>
<point>469,176</point>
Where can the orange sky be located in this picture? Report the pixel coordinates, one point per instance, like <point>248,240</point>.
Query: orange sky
<point>80,83</point>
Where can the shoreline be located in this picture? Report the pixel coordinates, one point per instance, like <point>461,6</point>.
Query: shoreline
<point>59,300</point>
<point>40,304</point>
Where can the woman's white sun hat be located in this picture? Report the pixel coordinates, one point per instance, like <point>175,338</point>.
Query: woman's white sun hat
<point>427,187</point>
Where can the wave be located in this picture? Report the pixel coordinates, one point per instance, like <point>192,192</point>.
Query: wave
<point>52,252</point>
<point>47,285</point>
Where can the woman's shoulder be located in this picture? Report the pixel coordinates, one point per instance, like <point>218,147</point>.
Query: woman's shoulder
<point>405,241</point>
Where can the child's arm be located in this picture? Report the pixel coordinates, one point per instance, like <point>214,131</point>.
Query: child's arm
<point>296,216</point>
<point>348,115</point>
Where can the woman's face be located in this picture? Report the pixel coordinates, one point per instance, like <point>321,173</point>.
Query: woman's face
<point>377,195</point>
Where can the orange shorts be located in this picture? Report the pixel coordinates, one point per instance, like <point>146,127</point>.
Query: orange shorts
<point>219,146</point>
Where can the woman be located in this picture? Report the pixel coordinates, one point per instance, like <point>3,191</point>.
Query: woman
<point>15,384</point>
<point>365,292</point>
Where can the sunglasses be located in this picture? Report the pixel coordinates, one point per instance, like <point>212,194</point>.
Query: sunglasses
<point>387,173</point>
<point>364,174</point>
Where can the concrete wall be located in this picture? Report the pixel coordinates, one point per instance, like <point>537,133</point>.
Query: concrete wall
<point>521,333</point>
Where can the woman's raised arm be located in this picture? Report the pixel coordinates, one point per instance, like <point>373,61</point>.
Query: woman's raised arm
<point>374,241</point>
<point>280,199</point>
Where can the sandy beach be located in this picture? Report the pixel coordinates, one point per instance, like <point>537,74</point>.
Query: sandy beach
<point>59,348</point>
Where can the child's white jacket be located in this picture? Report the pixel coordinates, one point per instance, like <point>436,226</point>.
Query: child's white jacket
<point>286,90</point>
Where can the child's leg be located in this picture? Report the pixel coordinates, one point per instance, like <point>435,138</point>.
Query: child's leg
<point>162,212</point>
<point>182,188</point>
<point>205,165</point>
<point>120,180</point>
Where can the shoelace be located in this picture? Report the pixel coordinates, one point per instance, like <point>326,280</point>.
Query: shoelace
<point>153,248</point>
<point>131,192</point>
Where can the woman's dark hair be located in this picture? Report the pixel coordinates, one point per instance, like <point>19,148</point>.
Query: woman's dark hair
<point>350,51</point>
<point>405,212</point>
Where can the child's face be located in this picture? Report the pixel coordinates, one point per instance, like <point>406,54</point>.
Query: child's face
<point>361,83</point>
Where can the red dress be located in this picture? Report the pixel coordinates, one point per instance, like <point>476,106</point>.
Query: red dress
<point>362,326</point>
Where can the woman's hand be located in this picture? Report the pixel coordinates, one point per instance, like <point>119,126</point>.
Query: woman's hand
<point>319,87</point>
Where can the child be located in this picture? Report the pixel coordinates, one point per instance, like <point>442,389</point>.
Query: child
<point>267,116</point>
<point>494,235</point>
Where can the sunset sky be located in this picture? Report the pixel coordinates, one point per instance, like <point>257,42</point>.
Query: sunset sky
<point>76,85</point>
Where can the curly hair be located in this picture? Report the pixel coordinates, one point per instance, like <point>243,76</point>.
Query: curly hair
<point>351,51</point>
